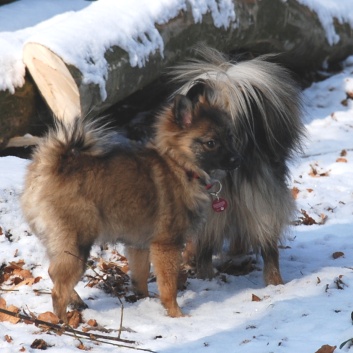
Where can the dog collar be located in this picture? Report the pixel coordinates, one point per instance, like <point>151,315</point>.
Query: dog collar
<point>192,175</point>
<point>218,204</point>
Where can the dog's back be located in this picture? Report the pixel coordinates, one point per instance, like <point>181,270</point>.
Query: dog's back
<point>83,176</point>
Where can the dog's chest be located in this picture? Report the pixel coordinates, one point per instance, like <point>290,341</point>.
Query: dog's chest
<point>195,203</point>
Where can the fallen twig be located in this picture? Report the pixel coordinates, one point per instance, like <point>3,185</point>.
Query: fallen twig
<point>68,330</point>
<point>323,153</point>
<point>345,342</point>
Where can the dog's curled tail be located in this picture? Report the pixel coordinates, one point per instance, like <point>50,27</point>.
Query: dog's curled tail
<point>78,137</point>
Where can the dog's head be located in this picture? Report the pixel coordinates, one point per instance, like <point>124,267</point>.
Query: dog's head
<point>198,132</point>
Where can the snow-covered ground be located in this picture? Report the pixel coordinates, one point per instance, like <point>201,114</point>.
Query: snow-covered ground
<point>81,31</point>
<point>312,309</point>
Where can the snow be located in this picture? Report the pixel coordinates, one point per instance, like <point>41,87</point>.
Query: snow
<point>81,32</point>
<point>311,309</point>
<point>308,311</point>
<point>328,11</point>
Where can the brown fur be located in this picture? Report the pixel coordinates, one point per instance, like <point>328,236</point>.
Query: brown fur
<point>83,186</point>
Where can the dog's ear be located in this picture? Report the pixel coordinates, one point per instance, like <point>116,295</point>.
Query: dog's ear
<point>199,92</point>
<point>182,111</point>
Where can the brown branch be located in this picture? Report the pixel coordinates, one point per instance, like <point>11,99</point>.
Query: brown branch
<point>72,332</point>
<point>322,153</point>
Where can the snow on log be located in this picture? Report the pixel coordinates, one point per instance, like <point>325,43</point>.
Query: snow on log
<point>257,26</point>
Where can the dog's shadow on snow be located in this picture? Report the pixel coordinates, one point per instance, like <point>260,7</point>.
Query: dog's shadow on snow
<point>307,252</point>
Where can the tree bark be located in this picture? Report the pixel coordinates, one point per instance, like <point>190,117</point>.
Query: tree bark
<point>17,111</point>
<point>262,26</point>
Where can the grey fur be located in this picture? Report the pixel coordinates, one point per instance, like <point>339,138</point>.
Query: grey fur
<point>265,105</point>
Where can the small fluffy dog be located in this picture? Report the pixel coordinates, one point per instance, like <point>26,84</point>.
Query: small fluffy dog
<point>82,185</point>
<point>264,105</point>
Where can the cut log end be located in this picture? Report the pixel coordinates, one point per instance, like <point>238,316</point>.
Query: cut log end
<point>54,81</point>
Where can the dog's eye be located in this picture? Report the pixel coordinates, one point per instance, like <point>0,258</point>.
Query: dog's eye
<point>211,144</point>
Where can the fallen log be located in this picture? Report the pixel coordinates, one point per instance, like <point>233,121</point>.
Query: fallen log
<point>17,111</point>
<point>259,27</point>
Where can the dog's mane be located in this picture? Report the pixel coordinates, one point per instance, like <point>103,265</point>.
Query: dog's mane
<point>242,88</point>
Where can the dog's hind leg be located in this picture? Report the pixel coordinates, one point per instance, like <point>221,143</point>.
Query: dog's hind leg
<point>166,259</point>
<point>139,265</point>
<point>271,270</point>
<point>65,270</point>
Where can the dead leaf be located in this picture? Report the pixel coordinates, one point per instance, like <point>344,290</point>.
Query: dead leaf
<point>8,339</point>
<point>323,219</point>
<point>337,254</point>
<point>309,190</point>
<point>74,318</point>
<point>1,233</point>
<point>49,317</point>
<point>306,219</point>
<point>114,279</point>
<point>22,273</point>
<point>341,160</point>
<point>28,282</point>
<point>2,303</point>
<point>339,282</point>
<point>39,344</point>
<point>255,298</point>
<point>92,323</point>
<point>82,347</point>
<point>295,192</point>
<point>343,153</point>
<point>17,276</point>
<point>16,265</point>
<point>314,172</point>
<point>22,349</point>
<point>344,102</point>
<point>12,309</point>
<point>326,349</point>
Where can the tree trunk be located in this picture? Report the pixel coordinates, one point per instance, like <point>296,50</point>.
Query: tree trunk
<point>17,111</point>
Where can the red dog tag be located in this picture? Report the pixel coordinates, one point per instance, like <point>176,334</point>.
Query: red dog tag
<point>219,205</point>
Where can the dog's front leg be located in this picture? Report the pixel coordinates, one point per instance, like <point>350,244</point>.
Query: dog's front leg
<point>271,271</point>
<point>139,265</point>
<point>166,259</point>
